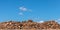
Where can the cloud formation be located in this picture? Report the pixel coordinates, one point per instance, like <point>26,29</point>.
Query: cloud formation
<point>21,14</point>
<point>23,8</point>
<point>40,21</point>
<point>58,20</point>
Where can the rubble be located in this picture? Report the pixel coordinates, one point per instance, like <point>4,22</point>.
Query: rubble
<point>29,25</point>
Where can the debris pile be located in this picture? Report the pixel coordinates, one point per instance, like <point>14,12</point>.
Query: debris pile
<point>29,25</point>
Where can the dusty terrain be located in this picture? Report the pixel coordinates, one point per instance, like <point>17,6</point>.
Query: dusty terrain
<point>29,25</point>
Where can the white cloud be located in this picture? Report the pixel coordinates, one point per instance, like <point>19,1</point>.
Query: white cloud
<point>40,21</point>
<point>23,8</point>
<point>21,14</point>
<point>30,10</point>
<point>58,20</point>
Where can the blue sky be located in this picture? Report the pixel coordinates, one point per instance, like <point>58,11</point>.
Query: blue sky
<point>37,10</point>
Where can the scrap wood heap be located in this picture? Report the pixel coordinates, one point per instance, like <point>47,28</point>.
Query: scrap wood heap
<point>29,25</point>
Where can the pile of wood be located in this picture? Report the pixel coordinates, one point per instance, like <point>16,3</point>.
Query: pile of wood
<point>29,25</point>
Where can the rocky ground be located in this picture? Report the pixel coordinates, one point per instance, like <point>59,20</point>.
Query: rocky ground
<point>25,25</point>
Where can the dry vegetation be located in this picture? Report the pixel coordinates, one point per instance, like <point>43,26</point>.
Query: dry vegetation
<point>29,25</point>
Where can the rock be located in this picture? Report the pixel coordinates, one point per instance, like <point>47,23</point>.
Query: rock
<point>29,25</point>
